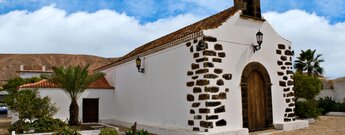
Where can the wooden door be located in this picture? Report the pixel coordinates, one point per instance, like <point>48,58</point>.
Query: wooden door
<point>90,110</point>
<point>256,102</point>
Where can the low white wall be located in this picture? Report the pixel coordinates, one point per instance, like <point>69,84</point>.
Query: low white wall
<point>336,92</point>
<point>62,101</point>
<point>325,93</point>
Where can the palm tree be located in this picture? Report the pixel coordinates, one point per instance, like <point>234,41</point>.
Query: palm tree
<point>74,81</point>
<point>308,62</point>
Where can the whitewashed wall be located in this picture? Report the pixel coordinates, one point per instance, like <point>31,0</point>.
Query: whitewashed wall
<point>235,34</point>
<point>158,97</point>
<point>29,75</point>
<point>62,101</point>
<point>337,93</point>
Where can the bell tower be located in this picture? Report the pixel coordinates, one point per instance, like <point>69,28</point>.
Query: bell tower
<point>250,8</point>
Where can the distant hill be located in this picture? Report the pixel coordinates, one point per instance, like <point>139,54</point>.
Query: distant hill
<point>10,63</point>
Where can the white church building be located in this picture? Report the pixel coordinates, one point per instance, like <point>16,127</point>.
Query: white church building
<point>230,73</point>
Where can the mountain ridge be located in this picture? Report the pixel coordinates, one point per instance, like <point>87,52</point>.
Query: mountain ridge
<point>10,63</point>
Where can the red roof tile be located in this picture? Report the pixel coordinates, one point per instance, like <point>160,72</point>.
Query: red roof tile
<point>211,22</point>
<point>101,83</point>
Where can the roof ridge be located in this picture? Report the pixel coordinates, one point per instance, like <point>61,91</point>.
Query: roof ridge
<point>210,22</point>
<point>101,83</point>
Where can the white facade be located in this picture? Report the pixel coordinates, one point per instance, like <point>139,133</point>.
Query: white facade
<point>185,88</point>
<point>157,98</point>
<point>28,74</point>
<point>62,101</point>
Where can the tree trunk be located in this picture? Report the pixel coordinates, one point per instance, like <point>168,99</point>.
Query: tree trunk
<point>73,113</point>
<point>309,71</point>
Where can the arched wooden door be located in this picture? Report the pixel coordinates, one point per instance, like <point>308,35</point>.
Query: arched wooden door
<point>256,102</point>
<point>256,97</point>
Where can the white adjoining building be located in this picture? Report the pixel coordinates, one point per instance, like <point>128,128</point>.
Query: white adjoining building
<point>229,73</point>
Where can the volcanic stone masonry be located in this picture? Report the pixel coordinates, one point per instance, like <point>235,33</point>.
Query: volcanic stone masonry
<point>285,80</point>
<point>206,86</point>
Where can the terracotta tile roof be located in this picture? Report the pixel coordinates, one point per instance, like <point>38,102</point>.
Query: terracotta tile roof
<point>101,83</point>
<point>211,22</point>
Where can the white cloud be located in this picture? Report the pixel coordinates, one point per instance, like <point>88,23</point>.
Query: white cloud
<point>103,33</point>
<point>309,31</point>
<point>111,34</point>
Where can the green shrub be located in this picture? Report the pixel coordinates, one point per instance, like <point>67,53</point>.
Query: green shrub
<point>138,132</point>
<point>327,104</point>
<point>142,132</point>
<point>108,131</point>
<point>20,126</point>
<point>67,131</point>
<point>47,125</point>
<point>307,109</point>
<point>306,87</point>
<point>339,107</point>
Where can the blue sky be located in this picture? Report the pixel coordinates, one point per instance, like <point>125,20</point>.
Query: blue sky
<point>152,10</point>
<point>112,28</point>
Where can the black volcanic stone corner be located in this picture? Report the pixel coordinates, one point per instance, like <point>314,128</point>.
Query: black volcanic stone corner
<point>227,76</point>
<point>190,84</point>
<point>218,71</point>
<point>190,97</point>
<point>281,46</point>
<point>212,89</point>
<point>195,66</point>
<point>221,123</point>
<point>209,53</point>
<point>210,76</point>
<point>219,109</point>
<point>202,82</point>
<point>217,60</point>
<point>218,47</point>
<point>204,97</point>
<point>221,54</point>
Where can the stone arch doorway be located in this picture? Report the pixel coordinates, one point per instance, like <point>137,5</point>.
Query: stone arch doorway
<point>256,97</point>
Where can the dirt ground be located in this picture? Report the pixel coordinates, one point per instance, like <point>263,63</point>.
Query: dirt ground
<point>4,124</point>
<point>324,125</point>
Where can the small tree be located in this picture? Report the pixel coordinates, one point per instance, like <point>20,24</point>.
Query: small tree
<point>307,61</point>
<point>74,81</point>
<point>30,106</point>
<point>306,87</point>
<point>12,88</point>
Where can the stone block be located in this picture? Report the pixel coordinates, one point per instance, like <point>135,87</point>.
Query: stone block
<point>288,126</point>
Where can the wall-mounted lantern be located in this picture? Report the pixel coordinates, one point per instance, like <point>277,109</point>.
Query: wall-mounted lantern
<point>139,65</point>
<point>202,45</point>
<point>259,40</point>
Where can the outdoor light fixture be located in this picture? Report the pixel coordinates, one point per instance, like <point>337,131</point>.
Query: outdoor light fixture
<point>259,39</point>
<point>139,66</point>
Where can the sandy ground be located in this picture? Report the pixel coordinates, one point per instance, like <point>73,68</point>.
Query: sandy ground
<point>324,125</point>
<point>4,124</point>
